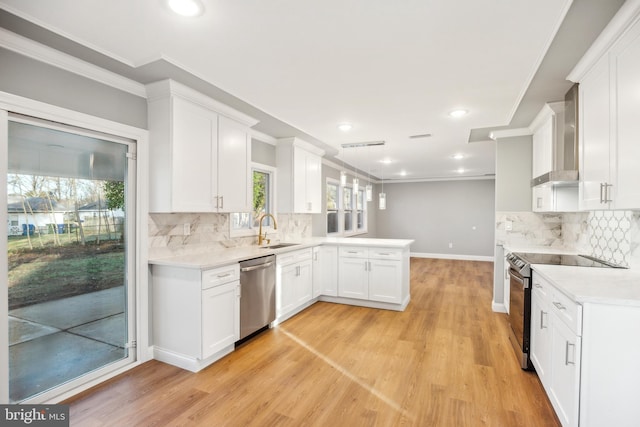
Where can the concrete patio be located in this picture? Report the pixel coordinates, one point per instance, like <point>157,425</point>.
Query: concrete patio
<point>54,342</point>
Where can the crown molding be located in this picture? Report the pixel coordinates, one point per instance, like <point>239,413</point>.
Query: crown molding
<point>34,50</point>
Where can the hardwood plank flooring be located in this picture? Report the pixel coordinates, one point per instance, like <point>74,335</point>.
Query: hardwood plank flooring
<point>445,361</point>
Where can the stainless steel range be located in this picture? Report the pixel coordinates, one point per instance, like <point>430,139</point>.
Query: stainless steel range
<point>520,273</point>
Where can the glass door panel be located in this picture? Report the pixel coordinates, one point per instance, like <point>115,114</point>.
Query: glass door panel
<point>67,251</point>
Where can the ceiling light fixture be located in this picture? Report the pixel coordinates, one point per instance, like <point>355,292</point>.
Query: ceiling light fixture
<point>458,113</point>
<point>189,8</point>
<point>424,135</point>
<point>345,127</point>
<point>460,170</point>
<point>458,156</point>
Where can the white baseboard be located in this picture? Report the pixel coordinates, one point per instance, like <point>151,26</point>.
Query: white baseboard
<point>498,307</point>
<point>187,362</point>
<point>367,303</point>
<point>453,256</point>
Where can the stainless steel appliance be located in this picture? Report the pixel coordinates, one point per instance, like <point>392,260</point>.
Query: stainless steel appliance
<point>520,294</point>
<point>257,294</point>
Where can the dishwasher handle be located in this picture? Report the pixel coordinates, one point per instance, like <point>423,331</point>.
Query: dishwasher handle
<point>256,267</point>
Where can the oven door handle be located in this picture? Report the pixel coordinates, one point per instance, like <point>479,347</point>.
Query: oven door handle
<point>519,279</point>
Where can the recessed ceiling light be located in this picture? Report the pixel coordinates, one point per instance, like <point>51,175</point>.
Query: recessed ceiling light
<point>345,127</point>
<point>458,113</point>
<point>385,161</point>
<point>403,173</point>
<point>460,170</point>
<point>458,156</point>
<point>186,7</point>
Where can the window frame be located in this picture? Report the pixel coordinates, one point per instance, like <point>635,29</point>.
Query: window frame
<point>341,211</point>
<point>253,230</point>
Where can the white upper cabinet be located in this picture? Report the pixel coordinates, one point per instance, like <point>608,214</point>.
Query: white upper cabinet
<point>299,176</point>
<point>609,77</point>
<point>543,147</point>
<point>200,152</point>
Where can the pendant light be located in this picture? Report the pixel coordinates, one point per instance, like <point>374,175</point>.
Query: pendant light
<point>382,197</point>
<point>368,189</point>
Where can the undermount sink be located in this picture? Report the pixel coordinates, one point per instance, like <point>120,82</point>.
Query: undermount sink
<point>279,245</point>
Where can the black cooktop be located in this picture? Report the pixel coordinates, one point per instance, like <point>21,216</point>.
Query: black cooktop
<point>558,259</point>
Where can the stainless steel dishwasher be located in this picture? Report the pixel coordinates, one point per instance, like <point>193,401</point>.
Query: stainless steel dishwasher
<point>257,294</point>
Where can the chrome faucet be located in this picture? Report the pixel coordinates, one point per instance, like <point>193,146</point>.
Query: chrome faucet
<point>262,238</point>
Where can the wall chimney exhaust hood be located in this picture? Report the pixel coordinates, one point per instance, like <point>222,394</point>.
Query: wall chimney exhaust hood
<point>565,151</point>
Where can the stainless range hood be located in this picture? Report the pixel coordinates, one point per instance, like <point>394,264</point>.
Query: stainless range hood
<point>565,152</point>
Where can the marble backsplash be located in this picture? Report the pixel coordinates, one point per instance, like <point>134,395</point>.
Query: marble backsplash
<point>610,235</point>
<point>211,231</point>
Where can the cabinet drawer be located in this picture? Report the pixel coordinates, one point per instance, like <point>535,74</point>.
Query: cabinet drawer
<point>354,252</point>
<point>385,253</point>
<point>542,288</point>
<point>294,256</point>
<point>567,310</point>
<point>221,275</point>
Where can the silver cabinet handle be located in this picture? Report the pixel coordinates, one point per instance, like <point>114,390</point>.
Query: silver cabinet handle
<point>221,202</point>
<point>606,193</point>
<point>539,202</point>
<point>369,265</point>
<point>559,306</point>
<point>602,192</point>
<point>220,276</point>
<point>542,314</point>
<point>365,266</point>
<point>566,354</point>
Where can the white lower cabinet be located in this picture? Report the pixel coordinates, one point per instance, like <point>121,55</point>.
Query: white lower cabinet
<point>373,274</point>
<point>586,357</point>
<point>294,283</point>
<point>325,271</point>
<point>196,314</point>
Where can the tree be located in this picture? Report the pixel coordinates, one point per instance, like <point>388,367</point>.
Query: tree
<point>114,193</point>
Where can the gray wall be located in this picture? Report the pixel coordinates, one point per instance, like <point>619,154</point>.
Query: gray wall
<point>513,174</point>
<point>319,221</point>
<point>435,214</point>
<point>32,79</point>
<point>264,153</point>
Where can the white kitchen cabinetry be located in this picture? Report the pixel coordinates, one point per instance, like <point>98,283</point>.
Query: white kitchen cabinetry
<point>609,126</point>
<point>200,152</point>
<point>325,271</point>
<point>196,314</point>
<point>542,145</point>
<point>586,357</point>
<point>540,331</point>
<point>294,283</point>
<point>299,176</point>
<point>372,273</point>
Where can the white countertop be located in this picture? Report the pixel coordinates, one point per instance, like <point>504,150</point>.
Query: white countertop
<point>206,258</point>
<point>594,285</point>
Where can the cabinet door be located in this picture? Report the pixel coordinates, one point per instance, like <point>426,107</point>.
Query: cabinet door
<point>304,283</point>
<point>565,372</point>
<point>299,180</point>
<point>233,167</point>
<point>220,317</point>
<point>540,337</point>
<point>625,70</point>
<point>594,135</point>
<point>543,148</point>
<point>353,278</point>
<point>314,183</point>
<point>385,280</point>
<point>194,157</point>
<point>286,289</point>
<point>325,271</point>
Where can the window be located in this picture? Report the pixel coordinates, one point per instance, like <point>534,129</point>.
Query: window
<point>247,223</point>
<point>346,211</point>
<point>332,208</point>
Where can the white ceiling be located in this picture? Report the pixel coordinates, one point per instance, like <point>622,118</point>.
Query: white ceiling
<point>391,68</point>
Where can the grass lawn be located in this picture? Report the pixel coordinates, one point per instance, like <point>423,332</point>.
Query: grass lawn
<point>51,272</point>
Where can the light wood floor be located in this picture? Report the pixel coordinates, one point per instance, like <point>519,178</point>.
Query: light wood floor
<point>445,361</point>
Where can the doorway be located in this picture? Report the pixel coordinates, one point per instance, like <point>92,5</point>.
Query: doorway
<point>70,239</point>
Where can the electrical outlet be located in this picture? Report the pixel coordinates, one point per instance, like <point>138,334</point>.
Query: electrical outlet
<point>508,225</point>
<point>187,229</point>
<point>450,245</point>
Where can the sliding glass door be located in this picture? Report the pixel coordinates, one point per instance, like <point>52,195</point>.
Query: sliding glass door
<point>70,207</point>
